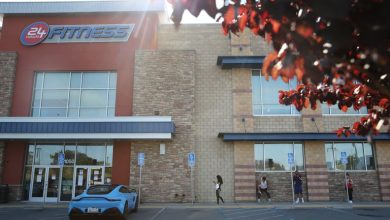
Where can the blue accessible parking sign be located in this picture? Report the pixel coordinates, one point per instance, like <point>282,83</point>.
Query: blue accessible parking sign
<point>191,159</point>
<point>141,159</point>
<point>61,159</point>
<point>343,158</point>
<point>290,158</point>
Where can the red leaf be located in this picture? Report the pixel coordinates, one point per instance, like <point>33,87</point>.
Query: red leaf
<point>344,108</point>
<point>267,63</point>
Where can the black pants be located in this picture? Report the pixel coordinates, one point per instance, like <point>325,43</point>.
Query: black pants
<point>218,196</point>
<point>350,194</point>
<point>265,191</point>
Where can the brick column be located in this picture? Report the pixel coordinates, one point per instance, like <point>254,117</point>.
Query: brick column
<point>244,172</point>
<point>316,170</point>
<point>7,75</point>
<point>383,158</point>
<point>244,164</point>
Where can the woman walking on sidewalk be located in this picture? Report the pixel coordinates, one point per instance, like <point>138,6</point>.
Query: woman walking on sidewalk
<point>218,188</point>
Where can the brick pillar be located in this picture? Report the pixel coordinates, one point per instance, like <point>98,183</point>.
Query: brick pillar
<point>383,158</point>
<point>244,172</point>
<point>7,78</point>
<point>316,170</point>
<point>244,164</point>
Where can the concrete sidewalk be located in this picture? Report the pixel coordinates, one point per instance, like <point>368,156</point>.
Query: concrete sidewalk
<point>248,205</point>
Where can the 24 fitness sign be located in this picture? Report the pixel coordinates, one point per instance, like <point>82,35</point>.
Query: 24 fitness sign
<point>40,32</point>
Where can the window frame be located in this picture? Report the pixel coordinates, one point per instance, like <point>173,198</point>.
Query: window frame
<point>293,111</point>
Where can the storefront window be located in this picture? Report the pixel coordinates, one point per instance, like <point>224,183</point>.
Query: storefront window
<point>70,155</point>
<point>274,156</point>
<point>90,155</point>
<point>92,163</point>
<point>108,175</point>
<point>109,155</point>
<point>359,156</point>
<point>47,154</point>
<point>30,155</point>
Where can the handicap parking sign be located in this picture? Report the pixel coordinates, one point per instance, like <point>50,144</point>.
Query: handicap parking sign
<point>191,159</point>
<point>343,158</point>
<point>141,159</point>
<point>61,159</point>
<point>290,158</point>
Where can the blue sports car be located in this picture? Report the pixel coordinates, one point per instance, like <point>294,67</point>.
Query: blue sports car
<point>104,200</point>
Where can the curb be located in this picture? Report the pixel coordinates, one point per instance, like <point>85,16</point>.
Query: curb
<point>307,205</point>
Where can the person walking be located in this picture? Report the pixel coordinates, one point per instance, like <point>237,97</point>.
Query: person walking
<point>349,187</point>
<point>297,179</point>
<point>263,188</point>
<point>218,188</point>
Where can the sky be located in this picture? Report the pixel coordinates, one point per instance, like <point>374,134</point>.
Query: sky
<point>187,17</point>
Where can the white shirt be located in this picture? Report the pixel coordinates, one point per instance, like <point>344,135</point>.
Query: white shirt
<point>217,186</point>
<point>263,184</point>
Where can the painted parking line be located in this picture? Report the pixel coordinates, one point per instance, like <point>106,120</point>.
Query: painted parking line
<point>239,212</point>
<point>53,217</point>
<point>157,214</point>
<point>245,214</point>
<point>270,217</point>
<point>248,216</point>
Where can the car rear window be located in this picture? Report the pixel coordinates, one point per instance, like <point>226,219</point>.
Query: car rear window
<point>98,190</point>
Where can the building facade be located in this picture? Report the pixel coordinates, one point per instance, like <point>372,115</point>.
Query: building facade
<point>78,113</point>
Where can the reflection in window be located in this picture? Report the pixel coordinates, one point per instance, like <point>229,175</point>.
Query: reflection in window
<point>70,154</point>
<point>265,95</point>
<point>90,155</point>
<point>274,156</point>
<point>74,94</point>
<point>100,154</point>
<point>359,156</point>
<point>67,184</point>
<point>109,155</point>
<point>30,154</point>
<point>334,110</point>
<point>47,154</point>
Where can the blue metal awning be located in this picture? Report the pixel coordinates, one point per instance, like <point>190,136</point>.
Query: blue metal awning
<point>295,137</point>
<point>154,127</point>
<point>229,62</point>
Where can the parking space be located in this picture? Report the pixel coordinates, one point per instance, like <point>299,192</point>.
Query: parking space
<point>214,213</point>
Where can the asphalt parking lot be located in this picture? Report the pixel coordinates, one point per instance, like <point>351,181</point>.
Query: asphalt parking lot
<point>214,213</point>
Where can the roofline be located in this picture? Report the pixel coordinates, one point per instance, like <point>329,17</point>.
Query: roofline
<point>81,7</point>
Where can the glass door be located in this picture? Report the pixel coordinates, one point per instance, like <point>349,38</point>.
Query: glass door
<point>53,183</point>
<point>80,179</point>
<point>38,184</point>
<point>45,184</point>
<point>86,176</point>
